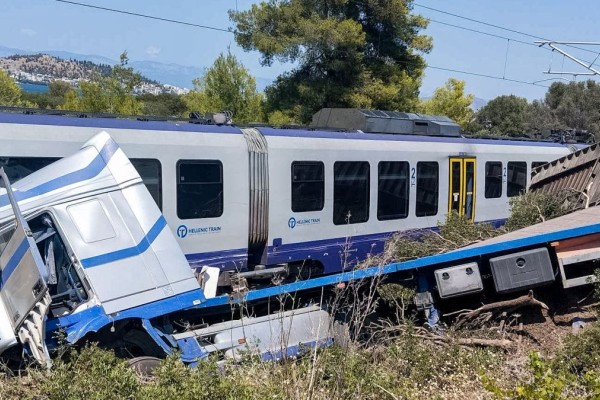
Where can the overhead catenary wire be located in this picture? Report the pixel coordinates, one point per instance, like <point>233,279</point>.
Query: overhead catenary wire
<point>487,33</point>
<point>479,22</point>
<point>497,26</point>
<point>487,76</point>
<point>145,16</point>
<point>537,46</point>
<point>136,14</point>
<point>506,57</point>
<point>597,54</point>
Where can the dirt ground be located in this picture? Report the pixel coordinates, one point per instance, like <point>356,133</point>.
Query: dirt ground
<point>532,329</point>
<point>570,311</point>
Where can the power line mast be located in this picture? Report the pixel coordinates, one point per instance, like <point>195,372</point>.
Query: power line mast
<point>554,45</point>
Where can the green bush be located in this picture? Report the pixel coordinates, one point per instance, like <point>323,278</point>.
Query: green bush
<point>544,383</point>
<point>455,232</point>
<point>408,367</point>
<point>573,372</point>
<point>92,373</point>
<point>580,353</point>
<point>173,380</point>
<point>533,207</point>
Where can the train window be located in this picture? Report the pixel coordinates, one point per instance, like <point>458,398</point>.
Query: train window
<point>427,189</point>
<point>493,179</point>
<point>17,168</point>
<point>199,189</point>
<point>392,192</point>
<point>150,171</point>
<point>350,192</point>
<point>516,179</point>
<point>308,186</point>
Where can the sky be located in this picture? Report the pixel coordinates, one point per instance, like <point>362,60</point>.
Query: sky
<point>51,25</point>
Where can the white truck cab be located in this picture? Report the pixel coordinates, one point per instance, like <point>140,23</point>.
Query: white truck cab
<point>85,249</point>
<point>79,233</point>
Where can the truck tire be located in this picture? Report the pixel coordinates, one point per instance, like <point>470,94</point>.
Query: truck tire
<point>144,365</point>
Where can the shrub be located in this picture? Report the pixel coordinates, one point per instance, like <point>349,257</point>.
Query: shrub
<point>544,383</point>
<point>455,232</point>
<point>581,352</point>
<point>92,373</point>
<point>534,207</point>
<point>174,380</point>
<point>571,374</point>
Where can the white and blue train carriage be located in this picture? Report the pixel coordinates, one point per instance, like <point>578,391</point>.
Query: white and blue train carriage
<point>250,198</point>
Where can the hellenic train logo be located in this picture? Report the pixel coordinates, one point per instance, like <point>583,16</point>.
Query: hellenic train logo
<point>182,231</point>
<point>292,223</point>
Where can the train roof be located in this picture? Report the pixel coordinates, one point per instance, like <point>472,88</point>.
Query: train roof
<point>112,122</point>
<point>401,138</point>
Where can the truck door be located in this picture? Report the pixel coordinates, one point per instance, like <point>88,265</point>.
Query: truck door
<point>461,186</point>
<point>23,288</point>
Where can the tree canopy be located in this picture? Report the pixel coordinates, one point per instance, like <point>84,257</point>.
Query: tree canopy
<point>163,104</point>
<point>111,94</point>
<point>10,92</point>
<point>575,105</point>
<point>503,116</point>
<point>450,100</point>
<point>349,53</point>
<point>53,98</point>
<point>227,85</point>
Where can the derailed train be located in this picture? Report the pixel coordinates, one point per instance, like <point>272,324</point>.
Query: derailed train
<point>316,200</point>
<point>91,255</point>
<point>86,254</point>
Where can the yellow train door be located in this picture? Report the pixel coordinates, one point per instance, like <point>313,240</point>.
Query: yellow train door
<point>461,186</point>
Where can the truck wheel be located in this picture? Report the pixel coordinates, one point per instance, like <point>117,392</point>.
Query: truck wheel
<point>144,365</point>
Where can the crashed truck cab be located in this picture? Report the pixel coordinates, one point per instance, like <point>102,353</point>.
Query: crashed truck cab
<point>84,250</point>
<point>83,237</point>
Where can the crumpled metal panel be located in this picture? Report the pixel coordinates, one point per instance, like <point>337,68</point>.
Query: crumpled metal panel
<point>578,171</point>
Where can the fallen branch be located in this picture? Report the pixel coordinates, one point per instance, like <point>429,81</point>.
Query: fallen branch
<point>588,306</point>
<point>464,310</point>
<point>390,330</point>
<point>507,305</point>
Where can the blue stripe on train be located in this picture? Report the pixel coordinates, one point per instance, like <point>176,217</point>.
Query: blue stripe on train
<point>336,254</point>
<point>227,260</point>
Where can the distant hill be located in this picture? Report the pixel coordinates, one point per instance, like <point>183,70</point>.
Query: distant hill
<point>44,67</point>
<point>172,74</point>
<point>478,104</point>
<point>54,67</point>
